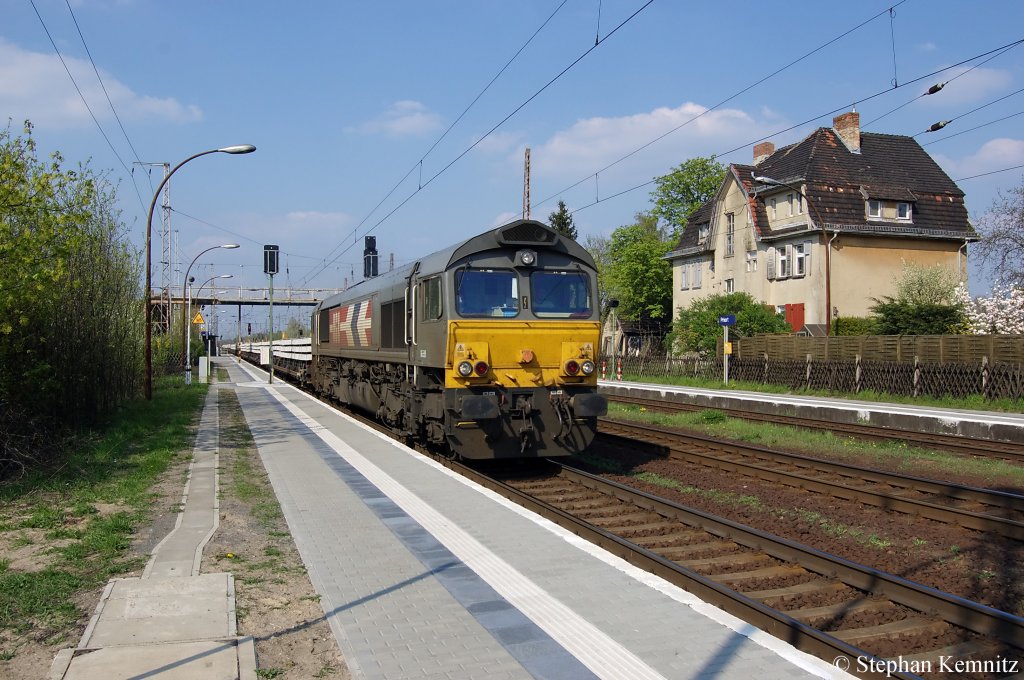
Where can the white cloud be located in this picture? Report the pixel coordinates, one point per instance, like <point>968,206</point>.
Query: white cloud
<point>501,142</point>
<point>404,118</point>
<point>37,87</point>
<point>593,143</point>
<point>926,47</point>
<point>994,154</point>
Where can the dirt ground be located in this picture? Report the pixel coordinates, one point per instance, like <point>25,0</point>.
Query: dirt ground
<point>275,601</point>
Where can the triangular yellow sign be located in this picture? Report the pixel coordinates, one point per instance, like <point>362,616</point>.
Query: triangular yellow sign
<point>198,318</point>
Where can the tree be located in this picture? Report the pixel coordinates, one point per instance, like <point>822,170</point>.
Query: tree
<point>684,189</point>
<point>922,284</point>
<point>696,328</point>
<point>898,317</point>
<point>561,221</point>
<point>598,247</point>
<point>1002,236</point>
<point>638,272</point>
<point>1000,313</point>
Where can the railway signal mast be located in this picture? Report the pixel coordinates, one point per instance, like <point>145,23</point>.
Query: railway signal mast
<point>270,267</point>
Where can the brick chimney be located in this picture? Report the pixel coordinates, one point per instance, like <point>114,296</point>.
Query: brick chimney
<point>847,126</point>
<point>762,151</point>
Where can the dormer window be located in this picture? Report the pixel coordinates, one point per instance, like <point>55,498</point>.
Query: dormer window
<point>874,208</point>
<point>903,211</point>
<point>703,231</point>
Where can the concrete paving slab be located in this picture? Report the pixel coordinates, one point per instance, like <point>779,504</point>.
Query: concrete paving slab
<point>138,611</point>
<point>209,660</point>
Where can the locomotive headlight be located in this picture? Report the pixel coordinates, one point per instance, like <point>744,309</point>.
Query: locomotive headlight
<point>526,258</point>
<point>465,369</point>
<point>587,367</point>
<point>572,367</point>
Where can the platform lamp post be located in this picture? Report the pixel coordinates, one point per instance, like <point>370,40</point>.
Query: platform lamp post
<point>828,244</point>
<point>185,319</point>
<point>188,341</point>
<point>148,380</point>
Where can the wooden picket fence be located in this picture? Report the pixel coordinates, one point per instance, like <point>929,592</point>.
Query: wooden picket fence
<point>955,366</point>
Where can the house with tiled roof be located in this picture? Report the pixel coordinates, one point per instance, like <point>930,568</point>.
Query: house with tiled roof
<point>823,227</point>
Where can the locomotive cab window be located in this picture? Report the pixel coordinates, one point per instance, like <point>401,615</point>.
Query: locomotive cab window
<point>560,294</point>
<point>487,292</point>
<point>432,299</point>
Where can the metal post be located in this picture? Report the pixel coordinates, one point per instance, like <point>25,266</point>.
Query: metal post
<point>270,327</point>
<point>188,341</point>
<point>725,355</point>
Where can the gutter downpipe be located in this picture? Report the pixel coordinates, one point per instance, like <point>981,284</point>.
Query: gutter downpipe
<point>828,280</point>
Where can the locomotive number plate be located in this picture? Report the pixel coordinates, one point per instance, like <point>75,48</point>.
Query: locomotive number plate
<point>556,392</point>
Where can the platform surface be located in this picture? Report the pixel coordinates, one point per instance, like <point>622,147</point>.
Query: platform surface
<point>423,574</point>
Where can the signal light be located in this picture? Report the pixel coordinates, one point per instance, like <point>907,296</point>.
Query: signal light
<point>572,367</point>
<point>588,367</point>
<point>481,368</point>
<point>465,369</point>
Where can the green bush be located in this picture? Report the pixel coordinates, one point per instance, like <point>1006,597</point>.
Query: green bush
<point>855,325</point>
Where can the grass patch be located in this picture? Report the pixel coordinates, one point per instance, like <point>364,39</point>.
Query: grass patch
<point>897,455</point>
<point>115,466</point>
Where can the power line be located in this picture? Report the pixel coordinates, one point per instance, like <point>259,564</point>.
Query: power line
<point>84,101</point>
<point>942,124</point>
<point>986,174</point>
<point>957,134</point>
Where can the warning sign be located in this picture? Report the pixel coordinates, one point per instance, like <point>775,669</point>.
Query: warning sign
<point>198,318</point>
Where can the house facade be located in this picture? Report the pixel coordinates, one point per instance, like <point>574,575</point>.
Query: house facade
<point>823,227</point>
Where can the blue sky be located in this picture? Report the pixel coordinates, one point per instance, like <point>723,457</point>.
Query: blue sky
<point>343,99</point>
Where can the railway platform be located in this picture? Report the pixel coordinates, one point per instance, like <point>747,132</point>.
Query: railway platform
<point>1006,427</point>
<point>423,574</point>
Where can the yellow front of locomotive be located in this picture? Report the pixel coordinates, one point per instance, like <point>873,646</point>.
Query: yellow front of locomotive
<point>521,365</point>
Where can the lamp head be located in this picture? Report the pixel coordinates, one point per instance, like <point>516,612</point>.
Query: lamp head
<point>240,148</point>
<point>230,246</point>
<point>226,276</point>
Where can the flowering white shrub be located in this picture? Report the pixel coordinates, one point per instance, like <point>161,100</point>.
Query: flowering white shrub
<point>1000,313</point>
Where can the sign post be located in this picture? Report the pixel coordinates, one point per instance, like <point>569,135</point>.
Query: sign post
<point>725,321</point>
<point>270,262</point>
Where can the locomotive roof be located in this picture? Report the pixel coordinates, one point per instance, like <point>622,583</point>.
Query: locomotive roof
<point>517,234</point>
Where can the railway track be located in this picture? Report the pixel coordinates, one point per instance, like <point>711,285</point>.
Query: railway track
<point>957,444</point>
<point>985,510</point>
<point>824,605</point>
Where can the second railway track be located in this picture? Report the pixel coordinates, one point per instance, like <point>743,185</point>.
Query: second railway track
<point>986,510</point>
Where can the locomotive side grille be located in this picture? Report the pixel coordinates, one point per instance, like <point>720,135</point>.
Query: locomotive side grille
<point>528,233</point>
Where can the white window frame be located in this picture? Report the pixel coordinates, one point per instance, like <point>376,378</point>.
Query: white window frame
<point>909,216</point>
<point>774,208</point>
<point>751,260</point>
<point>799,204</point>
<point>789,204</point>
<point>703,231</point>
<point>730,286</point>
<point>730,234</point>
<point>873,203</point>
<point>785,262</point>
<point>799,260</point>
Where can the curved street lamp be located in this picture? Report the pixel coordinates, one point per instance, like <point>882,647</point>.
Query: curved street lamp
<point>828,244</point>
<point>188,342</point>
<point>148,383</point>
<point>184,320</point>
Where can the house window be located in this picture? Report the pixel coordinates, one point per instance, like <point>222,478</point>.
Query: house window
<point>702,233</point>
<point>799,259</point>
<point>695,275</point>
<point>789,205</point>
<point>874,208</point>
<point>799,204</point>
<point>684,279</point>
<point>785,260</point>
<point>751,260</point>
<point>730,285</point>
<point>730,234</point>
<point>773,208</point>
<point>903,211</point>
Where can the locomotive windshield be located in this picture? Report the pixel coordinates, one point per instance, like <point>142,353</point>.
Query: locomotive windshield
<point>560,294</point>
<point>487,292</point>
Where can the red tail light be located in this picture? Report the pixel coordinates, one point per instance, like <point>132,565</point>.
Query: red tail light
<point>481,368</point>
<point>572,367</point>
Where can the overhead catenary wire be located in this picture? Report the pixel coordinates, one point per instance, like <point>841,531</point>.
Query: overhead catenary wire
<point>716,106</point>
<point>811,119</point>
<point>419,164</point>
<point>944,123</point>
<point>976,127</point>
<point>493,129</point>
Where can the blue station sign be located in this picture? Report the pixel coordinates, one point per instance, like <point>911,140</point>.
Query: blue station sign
<point>727,320</point>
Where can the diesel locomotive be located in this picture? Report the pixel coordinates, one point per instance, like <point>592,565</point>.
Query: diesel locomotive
<point>486,349</point>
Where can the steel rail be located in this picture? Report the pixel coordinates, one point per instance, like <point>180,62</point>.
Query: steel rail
<point>679,445</point>
<point>955,443</point>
